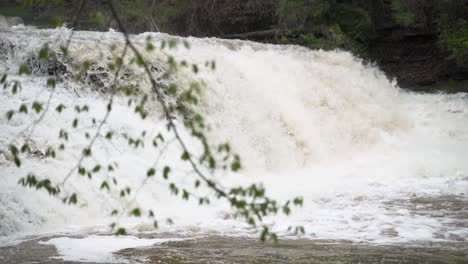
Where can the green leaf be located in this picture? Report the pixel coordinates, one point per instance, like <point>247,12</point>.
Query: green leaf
<point>10,114</point>
<point>172,89</point>
<point>298,201</point>
<point>151,172</point>
<point>23,109</point>
<point>50,152</point>
<point>86,65</point>
<point>57,21</point>
<point>236,164</point>
<point>63,134</point>
<point>121,232</point>
<point>51,83</point>
<point>264,233</point>
<point>25,148</point>
<point>136,212</point>
<point>24,70</point>
<point>87,152</point>
<point>37,107</point>
<point>172,43</point>
<point>60,108</point>
<point>166,172</point>
<point>173,188</point>
<point>195,68</point>
<point>286,210</point>
<point>105,185</point>
<point>185,194</point>
<point>185,156</point>
<point>64,50</point>
<point>114,212</point>
<point>44,53</point>
<point>73,199</point>
<point>3,79</point>
<point>14,150</point>
<point>97,168</point>
<point>149,46</point>
<point>111,66</point>
<point>16,87</point>
<point>17,161</point>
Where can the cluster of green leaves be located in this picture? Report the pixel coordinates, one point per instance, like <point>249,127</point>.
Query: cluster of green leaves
<point>402,13</point>
<point>453,28</point>
<point>250,203</point>
<point>296,13</point>
<point>457,41</point>
<point>15,11</point>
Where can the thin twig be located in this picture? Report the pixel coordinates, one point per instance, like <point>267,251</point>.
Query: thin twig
<point>159,97</point>
<point>101,124</point>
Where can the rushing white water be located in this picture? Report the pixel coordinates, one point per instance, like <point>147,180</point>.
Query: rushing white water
<point>373,162</point>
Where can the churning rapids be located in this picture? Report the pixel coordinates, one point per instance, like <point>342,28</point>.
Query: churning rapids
<point>374,163</point>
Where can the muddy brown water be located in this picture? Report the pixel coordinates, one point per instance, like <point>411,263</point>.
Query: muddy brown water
<point>222,249</point>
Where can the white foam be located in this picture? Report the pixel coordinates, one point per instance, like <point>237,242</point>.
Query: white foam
<point>98,248</point>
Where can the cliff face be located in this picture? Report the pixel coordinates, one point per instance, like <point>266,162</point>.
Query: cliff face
<point>415,53</point>
<point>412,54</point>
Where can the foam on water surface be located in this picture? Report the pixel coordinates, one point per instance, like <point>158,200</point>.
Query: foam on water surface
<point>98,248</point>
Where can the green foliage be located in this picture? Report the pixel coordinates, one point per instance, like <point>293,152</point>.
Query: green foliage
<point>457,41</point>
<point>353,20</point>
<point>453,29</point>
<point>295,13</point>
<point>402,13</point>
<point>18,11</point>
<point>325,24</point>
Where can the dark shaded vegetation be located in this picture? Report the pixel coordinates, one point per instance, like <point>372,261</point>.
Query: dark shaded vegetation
<point>420,42</point>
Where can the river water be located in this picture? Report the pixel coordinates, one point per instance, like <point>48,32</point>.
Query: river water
<point>383,171</point>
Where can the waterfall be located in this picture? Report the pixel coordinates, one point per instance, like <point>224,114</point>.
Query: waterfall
<point>372,161</point>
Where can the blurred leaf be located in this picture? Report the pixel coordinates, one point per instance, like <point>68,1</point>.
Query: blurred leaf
<point>136,212</point>
<point>37,107</point>
<point>151,172</point>
<point>10,114</point>
<point>121,232</point>
<point>23,70</point>
<point>166,172</point>
<point>44,53</point>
